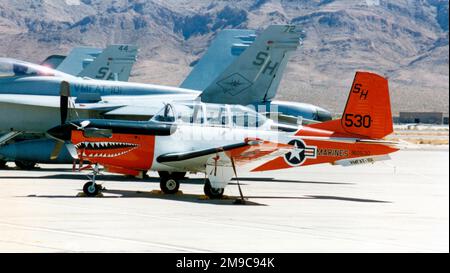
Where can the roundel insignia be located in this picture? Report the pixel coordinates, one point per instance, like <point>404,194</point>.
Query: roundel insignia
<point>299,153</point>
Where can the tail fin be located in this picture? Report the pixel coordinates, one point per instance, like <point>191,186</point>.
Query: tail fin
<point>53,61</point>
<point>368,109</point>
<point>223,50</point>
<point>73,63</point>
<point>250,77</point>
<point>114,63</point>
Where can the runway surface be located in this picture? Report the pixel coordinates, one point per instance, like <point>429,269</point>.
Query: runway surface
<point>400,205</point>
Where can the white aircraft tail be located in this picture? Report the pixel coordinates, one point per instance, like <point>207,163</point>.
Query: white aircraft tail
<point>114,63</point>
<point>252,76</point>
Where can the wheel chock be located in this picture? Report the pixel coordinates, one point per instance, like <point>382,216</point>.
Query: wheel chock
<point>205,197</point>
<point>239,202</point>
<point>159,192</point>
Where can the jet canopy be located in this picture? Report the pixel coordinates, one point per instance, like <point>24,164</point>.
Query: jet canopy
<point>223,115</point>
<point>14,68</point>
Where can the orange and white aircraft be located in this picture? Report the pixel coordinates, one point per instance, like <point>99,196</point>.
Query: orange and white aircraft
<point>218,139</point>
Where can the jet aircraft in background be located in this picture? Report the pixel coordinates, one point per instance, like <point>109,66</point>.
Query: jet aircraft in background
<point>252,77</point>
<point>113,63</point>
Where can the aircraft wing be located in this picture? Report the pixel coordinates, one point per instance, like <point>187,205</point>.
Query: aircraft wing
<point>51,102</point>
<point>241,152</point>
<point>38,113</point>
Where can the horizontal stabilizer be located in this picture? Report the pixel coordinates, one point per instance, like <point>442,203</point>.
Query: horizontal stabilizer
<point>361,160</point>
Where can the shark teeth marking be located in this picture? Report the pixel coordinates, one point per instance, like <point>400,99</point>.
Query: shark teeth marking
<point>104,145</point>
<point>102,149</point>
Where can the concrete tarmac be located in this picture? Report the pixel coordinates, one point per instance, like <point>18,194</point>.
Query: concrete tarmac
<point>400,205</point>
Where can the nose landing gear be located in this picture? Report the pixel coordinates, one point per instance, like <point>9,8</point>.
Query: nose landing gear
<point>90,188</point>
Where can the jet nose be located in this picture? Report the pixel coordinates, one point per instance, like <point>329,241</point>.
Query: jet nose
<point>323,115</point>
<point>61,132</point>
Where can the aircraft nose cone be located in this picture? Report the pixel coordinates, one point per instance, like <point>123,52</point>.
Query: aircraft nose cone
<point>323,115</point>
<point>61,132</point>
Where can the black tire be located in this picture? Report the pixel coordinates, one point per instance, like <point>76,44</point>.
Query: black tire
<point>91,191</point>
<point>25,165</point>
<point>169,185</point>
<point>2,164</point>
<point>212,192</point>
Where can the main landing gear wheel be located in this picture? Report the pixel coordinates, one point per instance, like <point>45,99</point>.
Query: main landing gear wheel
<point>211,192</point>
<point>91,189</point>
<point>2,164</point>
<point>176,175</point>
<point>25,165</point>
<point>169,184</point>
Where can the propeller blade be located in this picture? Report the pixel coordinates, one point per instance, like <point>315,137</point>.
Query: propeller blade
<point>64,93</point>
<point>56,150</point>
<point>72,150</point>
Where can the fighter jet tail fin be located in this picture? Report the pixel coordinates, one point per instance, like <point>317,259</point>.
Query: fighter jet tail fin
<point>114,63</point>
<point>223,50</point>
<point>254,76</point>
<point>75,61</point>
<point>53,61</point>
<point>368,109</point>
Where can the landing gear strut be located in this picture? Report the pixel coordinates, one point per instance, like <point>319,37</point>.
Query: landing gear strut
<point>211,192</point>
<point>176,175</point>
<point>90,188</point>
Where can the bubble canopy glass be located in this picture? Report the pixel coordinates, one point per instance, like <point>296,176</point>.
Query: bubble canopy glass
<point>10,68</point>
<point>194,112</point>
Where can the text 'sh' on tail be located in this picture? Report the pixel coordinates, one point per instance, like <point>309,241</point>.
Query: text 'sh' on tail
<point>368,110</point>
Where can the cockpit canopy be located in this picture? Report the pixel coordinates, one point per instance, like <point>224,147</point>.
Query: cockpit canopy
<point>210,114</point>
<point>14,68</point>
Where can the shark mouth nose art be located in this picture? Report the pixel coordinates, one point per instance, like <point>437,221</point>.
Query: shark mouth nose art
<point>104,149</point>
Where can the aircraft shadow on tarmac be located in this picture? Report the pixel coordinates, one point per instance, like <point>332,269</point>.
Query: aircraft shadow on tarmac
<point>197,181</point>
<point>227,200</point>
<point>180,197</point>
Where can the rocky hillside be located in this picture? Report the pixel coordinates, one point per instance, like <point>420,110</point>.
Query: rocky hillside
<point>406,40</point>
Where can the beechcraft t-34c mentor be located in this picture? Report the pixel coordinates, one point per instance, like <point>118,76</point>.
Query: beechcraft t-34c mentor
<point>216,139</point>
